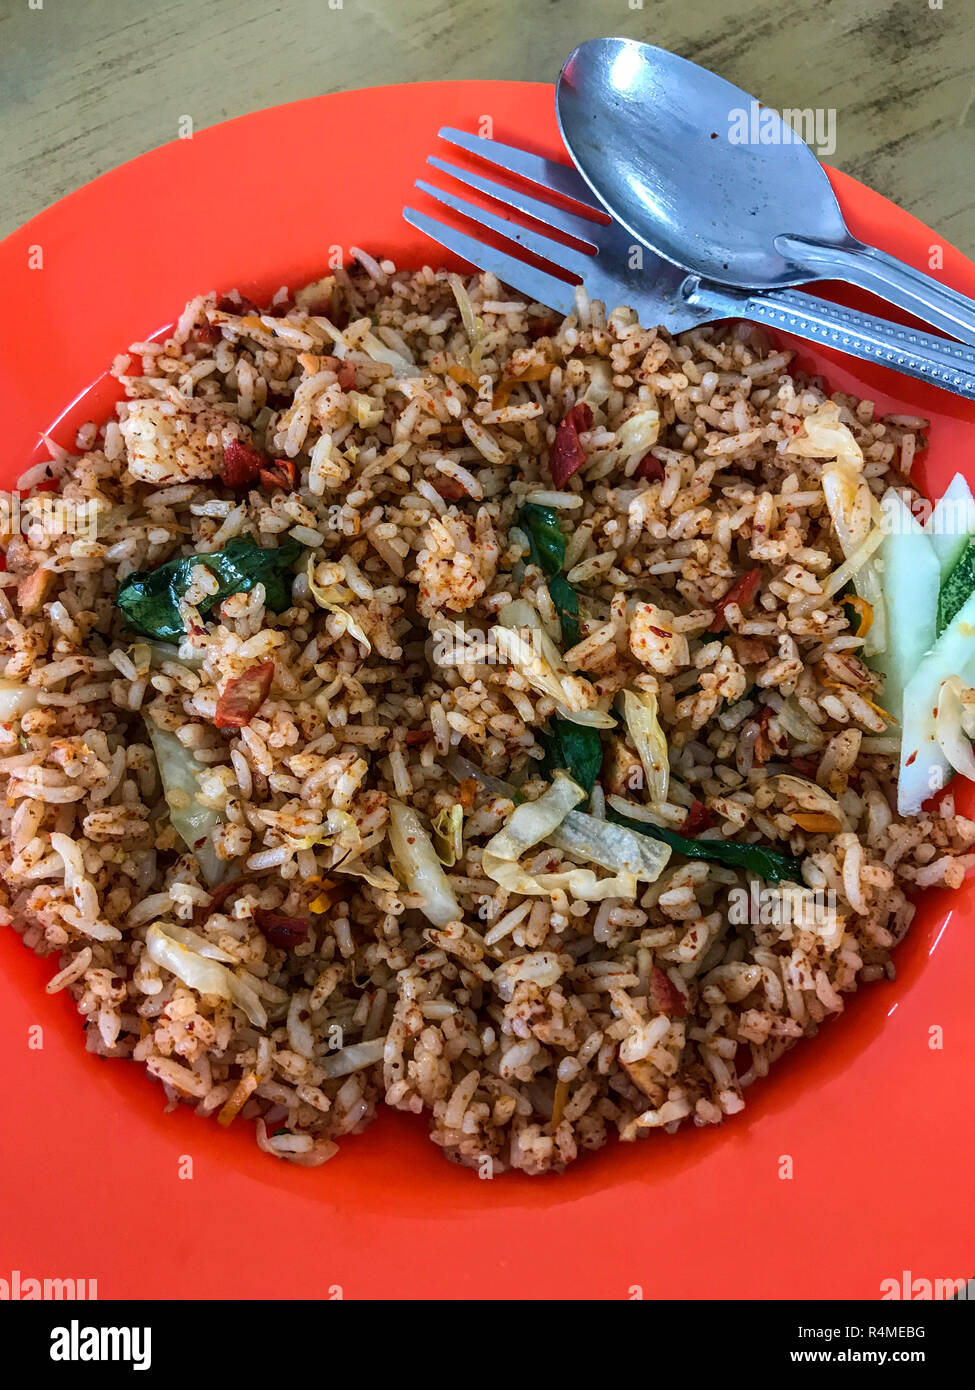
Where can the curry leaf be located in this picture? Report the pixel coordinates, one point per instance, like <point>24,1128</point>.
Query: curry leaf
<point>566,602</point>
<point>149,599</point>
<point>547,544</point>
<point>575,747</point>
<point>770,864</point>
<point>545,537</point>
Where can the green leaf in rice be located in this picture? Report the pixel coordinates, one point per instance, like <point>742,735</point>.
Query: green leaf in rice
<point>546,539</point>
<point>149,599</point>
<point>566,602</point>
<point>576,748</point>
<point>547,545</point>
<point>769,864</point>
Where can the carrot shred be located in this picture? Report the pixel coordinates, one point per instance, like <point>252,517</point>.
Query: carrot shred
<point>238,1098</point>
<point>878,709</point>
<point>538,371</point>
<point>468,792</point>
<point>332,892</point>
<point>817,822</point>
<point>864,612</point>
<point>558,1102</point>
<point>463,376</point>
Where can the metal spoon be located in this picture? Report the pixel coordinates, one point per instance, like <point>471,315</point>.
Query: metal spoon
<point>654,136</point>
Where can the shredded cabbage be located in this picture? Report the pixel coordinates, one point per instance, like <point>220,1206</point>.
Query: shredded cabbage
<point>953,740</point>
<point>473,326</point>
<point>841,576</point>
<point>375,877</point>
<point>367,411</point>
<point>637,435</point>
<point>318,292</point>
<point>448,834</point>
<point>630,855</point>
<point>460,767</point>
<point>202,973</point>
<point>809,796</point>
<point>379,352</point>
<point>543,666</point>
<point>612,846</point>
<point>339,829</point>
<point>417,858</point>
<point>546,820</point>
<point>824,437</point>
<point>535,820</point>
<point>197,943</point>
<point>850,504</point>
<point>331,598</point>
<point>580,883</point>
<point>600,381</point>
<point>643,725</point>
<point>182,653</point>
<point>140,654</point>
<point>851,507</point>
<point>180,773</point>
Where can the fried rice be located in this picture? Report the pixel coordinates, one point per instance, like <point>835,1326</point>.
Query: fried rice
<point>403,421</point>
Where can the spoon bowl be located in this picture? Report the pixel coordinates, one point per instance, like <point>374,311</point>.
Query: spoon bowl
<point>700,171</point>
<point>707,177</point>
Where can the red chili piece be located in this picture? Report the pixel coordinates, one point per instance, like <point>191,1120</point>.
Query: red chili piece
<point>566,455</point>
<point>698,818</point>
<point>243,696</point>
<point>241,465</point>
<point>665,997</point>
<point>285,932</point>
<point>281,473</point>
<point>741,592</point>
<point>650,468</point>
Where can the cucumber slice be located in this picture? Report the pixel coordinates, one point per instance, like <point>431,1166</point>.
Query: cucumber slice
<point>924,770</point>
<point>951,523</point>
<point>911,579</point>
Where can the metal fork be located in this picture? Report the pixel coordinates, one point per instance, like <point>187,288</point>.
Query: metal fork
<point>619,270</point>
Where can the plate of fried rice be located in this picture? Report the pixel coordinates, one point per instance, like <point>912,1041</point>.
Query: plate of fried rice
<point>524,733</point>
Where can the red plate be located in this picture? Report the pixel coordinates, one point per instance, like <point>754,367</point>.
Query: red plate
<point>99,1183</point>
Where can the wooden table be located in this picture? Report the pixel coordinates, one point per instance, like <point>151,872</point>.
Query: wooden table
<point>87,84</point>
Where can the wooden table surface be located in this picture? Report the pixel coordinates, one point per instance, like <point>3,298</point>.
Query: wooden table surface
<point>87,84</point>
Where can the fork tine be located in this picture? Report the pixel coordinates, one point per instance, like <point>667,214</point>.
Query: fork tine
<point>549,250</point>
<point>536,284</point>
<point>568,222</point>
<point>560,177</point>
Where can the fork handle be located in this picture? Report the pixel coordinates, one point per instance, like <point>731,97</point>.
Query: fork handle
<point>922,355</point>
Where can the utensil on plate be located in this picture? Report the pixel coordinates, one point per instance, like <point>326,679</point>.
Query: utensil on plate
<point>654,137</point>
<point>659,291</point>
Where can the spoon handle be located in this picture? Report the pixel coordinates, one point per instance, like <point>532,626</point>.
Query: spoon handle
<point>892,279</point>
<point>921,355</point>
